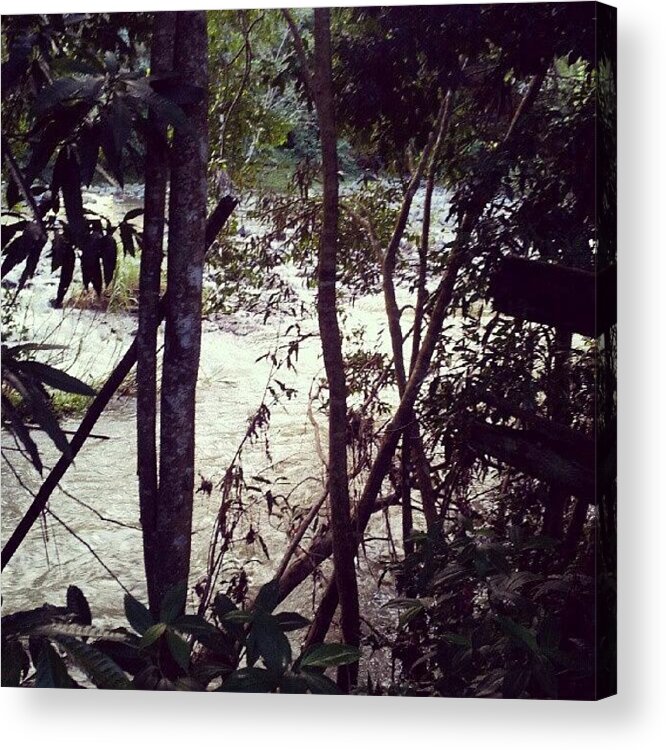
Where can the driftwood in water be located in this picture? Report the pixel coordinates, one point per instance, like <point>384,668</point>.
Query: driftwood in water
<point>567,298</point>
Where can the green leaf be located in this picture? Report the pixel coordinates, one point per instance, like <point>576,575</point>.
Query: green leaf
<point>57,379</point>
<point>35,396</point>
<point>250,680</point>
<point>64,90</point>
<point>100,668</point>
<point>318,683</point>
<point>292,685</point>
<point>15,663</point>
<point>72,630</point>
<point>51,671</point>
<point>194,625</point>
<point>132,214</point>
<point>457,640</point>
<point>268,597</point>
<point>162,107</point>
<point>154,633</point>
<point>238,616</point>
<point>179,648</point>
<point>291,621</point>
<point>408,614</point>
<point>223,604</point>
<point>218,642</point>
<point>173,603</point>
<point>411,608</point>
<point>330,655</point>
<point>266,639</point>
<point>137,615</point>
<point>108,253</point>
<point>21,432</point>
<point>518,633</point>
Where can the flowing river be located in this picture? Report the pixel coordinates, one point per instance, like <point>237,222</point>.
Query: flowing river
<point>96,504</point>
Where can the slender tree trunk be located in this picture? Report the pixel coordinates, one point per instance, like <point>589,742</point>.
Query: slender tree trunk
<point>321,547</point>
<point>412,442</point>
<point>182,341</point>
<point>156,171</point>
<point>414,439</point>
<point>344,547</point>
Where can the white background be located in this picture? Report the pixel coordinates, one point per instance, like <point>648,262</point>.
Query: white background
<point>635,718</point>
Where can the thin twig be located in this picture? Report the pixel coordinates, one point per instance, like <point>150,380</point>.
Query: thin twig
<point>89,548</point>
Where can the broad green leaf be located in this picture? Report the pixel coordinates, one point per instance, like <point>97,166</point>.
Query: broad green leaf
<point>318,683</point>
<point>132,214</point>
<point>179,648</point>
<point>402,603</point>
<point>137,614</point>
<point>238,616</point>
<point>154,633</point>
<point>223,604</point>
<point>173,603</point>
<point>266,639</point>
<point>250,680</point>
<point>72,630</point>
<point>518,633</point>
<point>194,625</point>
<point>456,639</point>
<point>21,432</point>
<point>268,597</point>
<point>330,655</point>
<point>409,613</point>
<point>51,671</point>
<point>291,621</point>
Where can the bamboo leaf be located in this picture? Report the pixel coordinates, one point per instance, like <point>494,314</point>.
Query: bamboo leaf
<point>250,680</point>
<point>153,634</point>
<point>55,378</point>
<point>330,655</point>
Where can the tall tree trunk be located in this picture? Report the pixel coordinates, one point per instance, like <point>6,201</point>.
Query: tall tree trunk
<point>156,171</point>
<point>182,341</point>
<point>298,571</point>
<point>344,547</point>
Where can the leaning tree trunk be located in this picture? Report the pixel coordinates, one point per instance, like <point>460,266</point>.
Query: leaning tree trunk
<point>156,175</point>
<point>344,547</point>
<point>182,340</point>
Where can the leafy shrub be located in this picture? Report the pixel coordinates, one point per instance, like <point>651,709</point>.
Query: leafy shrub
<point>485,618</point>
<point>236,651</point>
